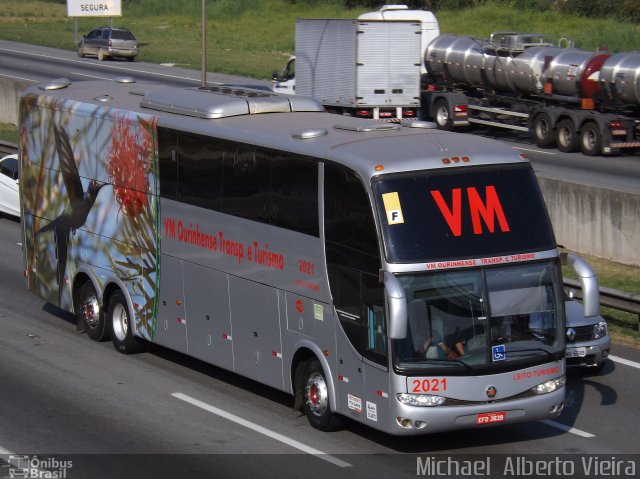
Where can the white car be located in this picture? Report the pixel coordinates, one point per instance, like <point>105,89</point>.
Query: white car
<point>9,202</point>
<point>588,340</point>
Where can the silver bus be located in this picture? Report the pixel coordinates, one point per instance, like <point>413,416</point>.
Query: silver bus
<point>404,277</point>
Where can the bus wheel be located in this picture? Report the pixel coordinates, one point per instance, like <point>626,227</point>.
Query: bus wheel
<point>567,137</point>
<point>542,131</point>
<point>590,139</point>
<point>120,329</point>
<point>89,313</point>
<point>441,115</point>
<point>316,398</point>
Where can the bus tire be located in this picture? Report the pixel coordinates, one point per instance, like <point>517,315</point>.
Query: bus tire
<point>315,394</point>
<point>590,139</point>
<point>89,313</point>
<point>120,328</point>
<point>542,131</point>
<point>441,115</point>
<point>567,136</point>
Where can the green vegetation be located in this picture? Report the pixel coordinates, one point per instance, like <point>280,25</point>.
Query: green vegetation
<point>255,37</point>
<point>8,133</point>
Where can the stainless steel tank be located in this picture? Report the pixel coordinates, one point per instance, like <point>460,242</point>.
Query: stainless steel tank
<point>620,77</point>
<point>456,59</point>
<point>464,60</point>
<point>572,71</point>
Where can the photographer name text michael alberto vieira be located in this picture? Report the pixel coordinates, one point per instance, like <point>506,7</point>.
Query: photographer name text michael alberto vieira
<point>519,466</point>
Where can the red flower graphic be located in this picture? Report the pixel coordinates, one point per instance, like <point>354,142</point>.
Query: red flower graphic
<point>128,165</point>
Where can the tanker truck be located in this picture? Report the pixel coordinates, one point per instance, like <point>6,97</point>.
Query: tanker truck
<point>567,97</point>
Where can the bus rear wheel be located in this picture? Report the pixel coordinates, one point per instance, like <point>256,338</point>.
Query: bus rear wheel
<point>89,314</point>
<point>120,329</point>
<point>315,393</point>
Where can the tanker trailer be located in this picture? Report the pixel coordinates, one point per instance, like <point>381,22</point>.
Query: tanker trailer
<point>522,83</point>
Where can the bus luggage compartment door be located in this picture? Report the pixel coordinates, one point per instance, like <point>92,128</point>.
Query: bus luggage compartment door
<point>257,348</point>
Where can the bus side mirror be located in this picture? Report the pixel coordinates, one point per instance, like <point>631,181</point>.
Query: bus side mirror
<point>396,306</point>
<point>589,281</point>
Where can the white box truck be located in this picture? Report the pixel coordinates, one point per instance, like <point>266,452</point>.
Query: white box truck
<point>365,68</point>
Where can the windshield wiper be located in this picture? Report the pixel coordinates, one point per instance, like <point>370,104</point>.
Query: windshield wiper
<point>548,353</point>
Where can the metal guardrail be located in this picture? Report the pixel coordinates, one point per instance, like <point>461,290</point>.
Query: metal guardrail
<point>7,148</point>
<point>611,298</point>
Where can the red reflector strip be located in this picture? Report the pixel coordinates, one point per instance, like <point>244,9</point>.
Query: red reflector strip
<point>276,354</point>
<point>382,394</point>
<point>343,379</point>
<point>226,336</point>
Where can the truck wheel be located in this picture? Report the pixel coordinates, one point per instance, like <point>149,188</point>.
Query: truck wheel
<point>567,137</point>
<point>590,139</point>
<point>441,115</point>
<point>89,313</point>
<point>542,131</point>
<point>316,398</point>
<point>120,329</point>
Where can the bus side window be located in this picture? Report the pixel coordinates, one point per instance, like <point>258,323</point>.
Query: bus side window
<point>168,162</point>
<point>200,170</point>
<point>245,185</point>
<point>294,194</point>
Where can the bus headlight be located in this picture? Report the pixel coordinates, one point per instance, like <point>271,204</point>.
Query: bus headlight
<point>600,330</point>
<point>420,399</point>
<point>549,386</point>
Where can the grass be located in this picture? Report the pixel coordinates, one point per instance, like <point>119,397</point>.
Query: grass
<point>8,132</point>
<point>254,37</point>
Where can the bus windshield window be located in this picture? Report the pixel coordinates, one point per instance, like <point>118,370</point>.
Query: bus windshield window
<point>481,318</point>
<point>469,212</point>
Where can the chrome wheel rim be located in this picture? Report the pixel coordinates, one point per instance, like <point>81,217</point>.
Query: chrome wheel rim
<point>90,310</point>
<point>120,321</point>
<point>442,116</point>
<point>316,394</point>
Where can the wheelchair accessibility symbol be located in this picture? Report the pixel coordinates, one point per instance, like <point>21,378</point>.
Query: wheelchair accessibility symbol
<point>498,353</point>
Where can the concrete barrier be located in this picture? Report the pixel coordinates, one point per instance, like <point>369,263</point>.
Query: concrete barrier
<point>586,219</point>
<point>9,95</point>
<point>595,221</point>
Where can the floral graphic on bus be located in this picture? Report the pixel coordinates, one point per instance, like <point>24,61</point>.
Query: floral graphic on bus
<point>89,199</point>
<point>128,163</point>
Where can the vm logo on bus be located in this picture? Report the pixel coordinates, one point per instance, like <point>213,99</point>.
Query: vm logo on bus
<point>483,211</point>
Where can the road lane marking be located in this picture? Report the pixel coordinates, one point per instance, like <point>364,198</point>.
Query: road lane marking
<point>90,76</point>
<point>262,430</point>
<point>565,428</point>
<point>535,151</point>
<point>633,364</point>
<point>18,78</point>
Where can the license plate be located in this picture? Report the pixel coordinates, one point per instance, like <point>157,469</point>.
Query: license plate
<point>576,352</point>
<point>490,417</point>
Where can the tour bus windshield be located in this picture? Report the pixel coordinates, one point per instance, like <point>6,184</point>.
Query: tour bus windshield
<point>462,213</point>
<point>470,320</point>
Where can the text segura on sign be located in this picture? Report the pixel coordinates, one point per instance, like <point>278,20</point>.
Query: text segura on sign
<point>94,8</point>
